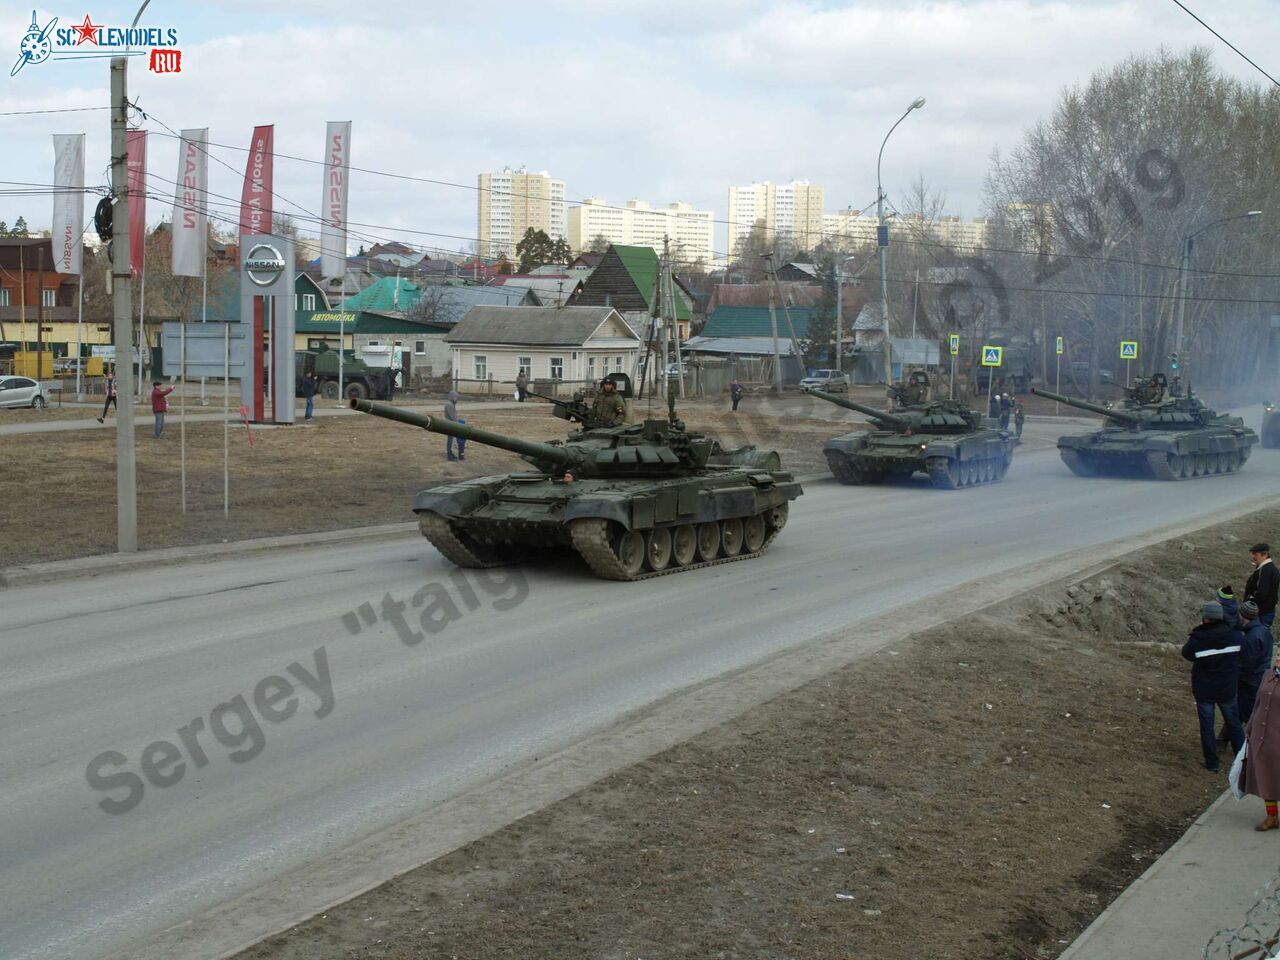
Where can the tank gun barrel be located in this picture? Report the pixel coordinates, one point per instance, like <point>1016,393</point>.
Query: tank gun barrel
<point>526,448</point>
<point>872,412</point>
<point>1119,416</point>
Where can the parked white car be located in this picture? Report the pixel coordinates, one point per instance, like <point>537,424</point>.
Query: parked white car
<point>21,392</point>
<point>829,381</point>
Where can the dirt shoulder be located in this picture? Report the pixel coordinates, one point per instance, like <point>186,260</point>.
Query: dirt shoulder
<point>335,473</point>
<point>980,791</point>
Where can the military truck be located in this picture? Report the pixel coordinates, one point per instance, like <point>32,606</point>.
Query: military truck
<point>359,380</point>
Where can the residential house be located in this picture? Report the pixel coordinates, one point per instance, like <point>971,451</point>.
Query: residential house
<point>37,304</point>
<point>627,280</point>
<point>554,346</point>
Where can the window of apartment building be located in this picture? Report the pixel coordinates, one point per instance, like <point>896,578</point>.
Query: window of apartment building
<point>481,366</point>
<point>4,298</point>
<point>419,347</point>
<point>555,368</point>
<point>48,298</point>
<point>524,365</point>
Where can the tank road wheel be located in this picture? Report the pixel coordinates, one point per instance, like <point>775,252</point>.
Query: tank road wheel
<point>1164,466</point>
<point>754,531</point>
<point>684,545</point>
<point>777,518</point>
<point>657,549</point>
<point>943,472</point>
<point>731,536</point>
<point>1219,463</point>
<point>629,548</point>
<point>1200,465</point>
<point>988,470</point>
<point>1244,454</point>
<point>1006,461</point>
<point>329,390</point>
<point>708,541</point>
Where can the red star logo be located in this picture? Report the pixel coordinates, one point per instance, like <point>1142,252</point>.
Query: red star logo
<point>88,31</point>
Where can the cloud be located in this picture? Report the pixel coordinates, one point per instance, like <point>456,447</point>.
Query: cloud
<point>657,100</point>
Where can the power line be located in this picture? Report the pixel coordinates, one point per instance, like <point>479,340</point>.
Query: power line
<point>28,113</point>
<point>1227,42</point>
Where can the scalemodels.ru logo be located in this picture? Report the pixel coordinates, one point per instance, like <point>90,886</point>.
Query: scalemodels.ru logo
<point>89,39</point>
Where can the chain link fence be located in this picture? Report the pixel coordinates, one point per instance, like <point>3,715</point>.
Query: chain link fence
<point>1257,937</point>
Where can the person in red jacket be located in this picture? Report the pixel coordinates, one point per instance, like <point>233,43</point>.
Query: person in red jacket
<point>159,405</point>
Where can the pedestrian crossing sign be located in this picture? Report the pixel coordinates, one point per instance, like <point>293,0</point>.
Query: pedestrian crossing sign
<point>955,344</point>
<point>1058,348</point>
<point>1128,349</point>
<point>991,356</point>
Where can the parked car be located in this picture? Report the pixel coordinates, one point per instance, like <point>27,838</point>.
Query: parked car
<point>677,370</point>
<point>830,381</point>
<point>21,392</point>
<point>70,364</point>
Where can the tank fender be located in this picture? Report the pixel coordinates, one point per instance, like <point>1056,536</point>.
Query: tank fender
<point>600,508</point>
<point>849,443</point>
<point>1162,444</point>
<point>455,499</point>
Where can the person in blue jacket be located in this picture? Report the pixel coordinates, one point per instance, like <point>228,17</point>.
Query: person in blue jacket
<point>1256,653</point>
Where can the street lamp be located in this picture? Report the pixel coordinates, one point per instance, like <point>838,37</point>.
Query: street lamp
<point>882,240</point>
<point>1187,243</point>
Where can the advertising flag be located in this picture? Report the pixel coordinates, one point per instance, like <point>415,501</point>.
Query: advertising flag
<point>333,235</point>
<point>68,201</point>
<point>190,211</point>
<point>255,198</point>
<point>137,185</point>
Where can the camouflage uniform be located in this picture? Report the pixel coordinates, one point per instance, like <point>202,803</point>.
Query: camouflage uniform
<point>608,410</point>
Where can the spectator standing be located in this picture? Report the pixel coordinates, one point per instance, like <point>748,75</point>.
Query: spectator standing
<point>111,398</point>
<point>993,408</point>
<point>309,390</point>
<point>1262,762</point>
<point>159,405</point>
<point>1230,606</point>
<point>1214,651</point>
<point>522,385</point>
<point>1256,655</point>
<point>1006,408</point>
<point>451,413</point>
<point>1019,417</point>
<point>1263,583</point>
<point>735,393</point>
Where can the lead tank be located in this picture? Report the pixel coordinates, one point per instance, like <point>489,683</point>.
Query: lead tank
<point>633,501</point>
<point>942,438</point>
<point>1156,435</point>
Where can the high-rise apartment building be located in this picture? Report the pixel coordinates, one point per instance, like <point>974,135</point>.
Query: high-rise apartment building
<point>511,202</point>
<point>691,232</point>
<point>791,212</point>
<point>853,228</point>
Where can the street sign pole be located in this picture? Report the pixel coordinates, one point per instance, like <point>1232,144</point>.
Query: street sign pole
<point>953,377</point>
<point>1057,385</point>
<point>1128,373</point>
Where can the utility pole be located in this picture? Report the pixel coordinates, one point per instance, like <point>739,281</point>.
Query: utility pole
<point>122,302</point>
<point>773,329</point>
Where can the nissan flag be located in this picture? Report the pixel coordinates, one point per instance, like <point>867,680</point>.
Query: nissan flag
<point>137,186</point>
<point>68,201</point>
<point>255,197</point>
<point>190,212</point>
<point>333,235</point>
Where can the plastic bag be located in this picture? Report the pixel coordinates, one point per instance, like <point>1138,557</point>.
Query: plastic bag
<point>1236,777</point>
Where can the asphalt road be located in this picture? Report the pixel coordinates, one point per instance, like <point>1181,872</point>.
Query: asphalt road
<point>327,747</point>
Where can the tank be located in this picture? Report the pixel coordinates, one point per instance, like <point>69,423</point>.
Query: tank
<point>1270,432</point>
<point>634,501</point>
<point>1155,434</point>
<point>941,438</point>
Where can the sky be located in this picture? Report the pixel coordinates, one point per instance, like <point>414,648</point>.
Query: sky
<point>655,100</point>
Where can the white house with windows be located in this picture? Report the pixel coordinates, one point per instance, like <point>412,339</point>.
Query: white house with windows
<point>552,345</point>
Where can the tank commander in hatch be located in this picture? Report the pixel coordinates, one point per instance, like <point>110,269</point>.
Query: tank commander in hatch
<point>608,410</point>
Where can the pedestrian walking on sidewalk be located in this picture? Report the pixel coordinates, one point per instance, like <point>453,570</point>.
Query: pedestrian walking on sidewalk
<point>111,398</point>
<point>735,393</point>
<point>309,390</point>
<point>159,405</point>
<point>1262,762</point>
<point>1214,651</point>
<point>451,413</point>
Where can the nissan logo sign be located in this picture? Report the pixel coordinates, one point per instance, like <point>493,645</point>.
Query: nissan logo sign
<point>263,264</point>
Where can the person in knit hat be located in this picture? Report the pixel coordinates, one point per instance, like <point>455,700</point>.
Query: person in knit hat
<point>1214,651</point>
<point>1256,655</point>
<point>1230,606</point>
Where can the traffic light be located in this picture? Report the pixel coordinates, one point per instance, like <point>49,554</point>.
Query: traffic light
<point>1173,361</point>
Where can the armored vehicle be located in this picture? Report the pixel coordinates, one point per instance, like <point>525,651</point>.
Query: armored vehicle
<point>634,501</point>
<point>1271,425</point>
<point>359,380</point>
<point>942,438</point>
<point>1156,434</point>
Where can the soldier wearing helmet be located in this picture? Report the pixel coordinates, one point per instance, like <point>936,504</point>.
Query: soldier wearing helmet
<point>608,410</point>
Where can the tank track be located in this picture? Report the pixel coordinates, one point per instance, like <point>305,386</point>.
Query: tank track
<point>591,541</point>
<point>941,477</point>
<point>1076,463</point>
<point>848,472</point>
<point>1162,469</point>
<point>440,533</point>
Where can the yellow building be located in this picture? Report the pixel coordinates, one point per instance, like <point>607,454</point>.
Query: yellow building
<point>791,212</point>
<point>689,231</point>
